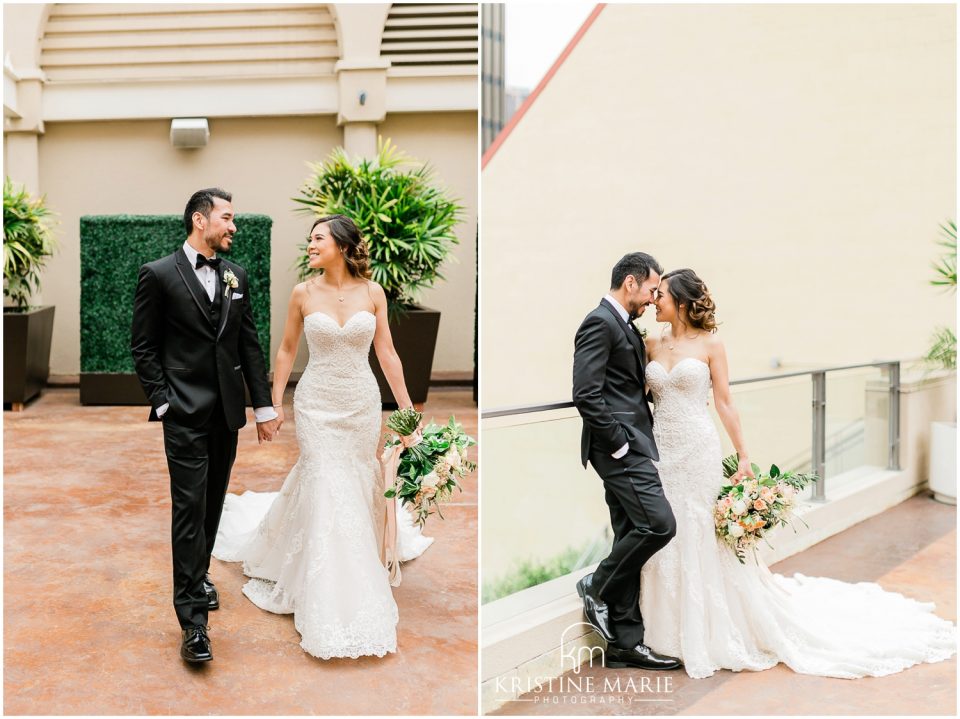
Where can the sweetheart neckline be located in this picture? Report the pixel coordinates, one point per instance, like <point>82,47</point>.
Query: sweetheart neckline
<point>334,320</point>
<point>670,371</point>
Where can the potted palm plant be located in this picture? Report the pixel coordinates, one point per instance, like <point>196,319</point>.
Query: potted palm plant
<point>28,243</point>
<point>408,222</point>
<point>943,354</point>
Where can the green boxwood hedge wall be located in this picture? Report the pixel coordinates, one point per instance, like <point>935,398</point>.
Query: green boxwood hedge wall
<point>112,249</point>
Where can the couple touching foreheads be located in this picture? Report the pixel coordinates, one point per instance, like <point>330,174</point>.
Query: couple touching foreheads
<point>669,593</point>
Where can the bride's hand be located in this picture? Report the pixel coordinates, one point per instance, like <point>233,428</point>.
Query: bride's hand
<point>743,470</point>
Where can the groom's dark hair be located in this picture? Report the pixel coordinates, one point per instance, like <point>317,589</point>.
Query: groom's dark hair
<point>202,201</point>
<point>638,264</point>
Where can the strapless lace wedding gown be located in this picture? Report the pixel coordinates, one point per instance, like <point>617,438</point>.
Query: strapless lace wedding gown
<point>699,603</point>
<point>313,548</point>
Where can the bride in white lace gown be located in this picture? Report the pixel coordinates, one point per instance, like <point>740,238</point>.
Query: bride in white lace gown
<point>314,548</point>
<point>698,602</point>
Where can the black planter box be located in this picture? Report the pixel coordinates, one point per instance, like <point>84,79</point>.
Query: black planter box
<point>414,337</point>
<point>26,353</point>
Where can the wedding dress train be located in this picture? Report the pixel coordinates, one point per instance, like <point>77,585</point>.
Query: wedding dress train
<point>700,604</point>
<point>313,548</point>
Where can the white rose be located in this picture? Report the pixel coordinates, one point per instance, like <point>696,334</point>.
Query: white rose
<point>739,507</point>
<point>734,529</point>
<point>453,458</point>
<point>431,480</point>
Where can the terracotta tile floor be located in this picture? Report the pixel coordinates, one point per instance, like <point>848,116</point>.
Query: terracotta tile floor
<point>911,549</point>
<point>89,627</point>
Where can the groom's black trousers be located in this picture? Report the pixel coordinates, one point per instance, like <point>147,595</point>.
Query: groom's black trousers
<point>199,460</point>
<point>643,523</point>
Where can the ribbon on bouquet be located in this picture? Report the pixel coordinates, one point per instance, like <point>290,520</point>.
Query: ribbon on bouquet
<point>388,548</point>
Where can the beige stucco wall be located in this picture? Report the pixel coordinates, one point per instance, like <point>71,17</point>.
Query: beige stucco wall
<point>799,158</point>
<point>130,167</point>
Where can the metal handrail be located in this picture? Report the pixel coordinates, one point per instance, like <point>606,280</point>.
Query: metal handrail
<point>818,407</point>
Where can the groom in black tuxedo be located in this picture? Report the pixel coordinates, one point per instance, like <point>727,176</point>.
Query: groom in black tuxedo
<point>194,343</point>
<point>608,391</point>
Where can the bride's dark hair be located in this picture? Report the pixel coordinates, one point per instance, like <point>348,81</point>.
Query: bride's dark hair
<point>347,236</point>
<point>688,289</point>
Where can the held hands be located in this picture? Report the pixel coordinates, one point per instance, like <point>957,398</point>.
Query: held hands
<point>267,430</point>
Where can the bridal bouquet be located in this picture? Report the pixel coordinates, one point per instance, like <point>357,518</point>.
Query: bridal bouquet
<point>430,463</point>
<point>746,509</point>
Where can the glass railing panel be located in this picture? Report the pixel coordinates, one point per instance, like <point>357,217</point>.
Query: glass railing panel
<point>857,422</point>
<point>544,515</point>
<point>775,418</point>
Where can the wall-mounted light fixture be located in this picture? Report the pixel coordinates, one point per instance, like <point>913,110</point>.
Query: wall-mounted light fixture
<point>363,97</point>
<point>189,132</point>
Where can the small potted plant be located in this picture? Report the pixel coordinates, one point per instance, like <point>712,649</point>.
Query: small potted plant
<point>943,354</point>
<point>28,243</point>
<point>408,223</point>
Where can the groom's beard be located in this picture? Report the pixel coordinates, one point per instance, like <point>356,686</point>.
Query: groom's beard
<point>220,244</point>
<point>638,311</point>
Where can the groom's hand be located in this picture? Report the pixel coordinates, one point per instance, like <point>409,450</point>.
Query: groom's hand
<point>266,430</point>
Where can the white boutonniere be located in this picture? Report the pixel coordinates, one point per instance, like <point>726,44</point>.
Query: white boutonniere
<point>642,331</point>
<point>231,281</point>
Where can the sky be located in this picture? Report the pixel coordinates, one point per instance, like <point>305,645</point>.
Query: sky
<point>535,34</point>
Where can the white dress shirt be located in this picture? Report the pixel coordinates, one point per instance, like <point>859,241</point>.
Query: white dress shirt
<point>625,316</point>
<point>208,279</point>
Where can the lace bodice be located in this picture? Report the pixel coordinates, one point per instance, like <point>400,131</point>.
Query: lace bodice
<point>681,392</point>
<point>683,429</point>
<point>339,349</point>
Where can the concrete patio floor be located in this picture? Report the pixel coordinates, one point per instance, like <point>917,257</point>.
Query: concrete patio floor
<point>910,549</point>
<point>89,626</point>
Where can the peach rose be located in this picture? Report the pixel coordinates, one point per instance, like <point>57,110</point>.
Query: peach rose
<point>759,505</point>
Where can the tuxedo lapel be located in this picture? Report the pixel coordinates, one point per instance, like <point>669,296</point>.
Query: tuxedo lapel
<point>632,336</point>
<point>227,300</point>
<point>196,290</point>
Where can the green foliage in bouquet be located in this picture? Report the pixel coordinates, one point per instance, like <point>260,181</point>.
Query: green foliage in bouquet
<point>404,421</point>
<point>428,472</point>
<point>28,243</point>
<point>767,501</point>
<point>407,220</point>
<point>797,480</point>
<point>943,350</point>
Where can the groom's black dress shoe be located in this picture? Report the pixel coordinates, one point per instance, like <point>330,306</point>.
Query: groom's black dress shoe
<point>196,645</point>
<point>641,656</point>
<point>595,609</point>
<point>213,597</point>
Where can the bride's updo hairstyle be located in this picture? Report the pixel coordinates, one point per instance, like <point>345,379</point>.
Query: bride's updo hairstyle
<point>349,240</point>
<point>688,289</point>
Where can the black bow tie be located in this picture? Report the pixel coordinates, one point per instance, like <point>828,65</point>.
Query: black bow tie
<point>201,261</point>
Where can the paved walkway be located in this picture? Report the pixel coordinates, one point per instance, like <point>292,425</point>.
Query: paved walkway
<point>910,549</point>
<point>89,627</point>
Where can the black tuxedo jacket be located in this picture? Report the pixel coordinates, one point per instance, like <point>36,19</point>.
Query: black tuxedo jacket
<point>182,358</point>
<point>608,386</point>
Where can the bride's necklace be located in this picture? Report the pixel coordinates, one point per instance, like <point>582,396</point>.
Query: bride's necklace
<point>673,340</point>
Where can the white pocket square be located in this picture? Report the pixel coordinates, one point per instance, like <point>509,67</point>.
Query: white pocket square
<point>236,296</point>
